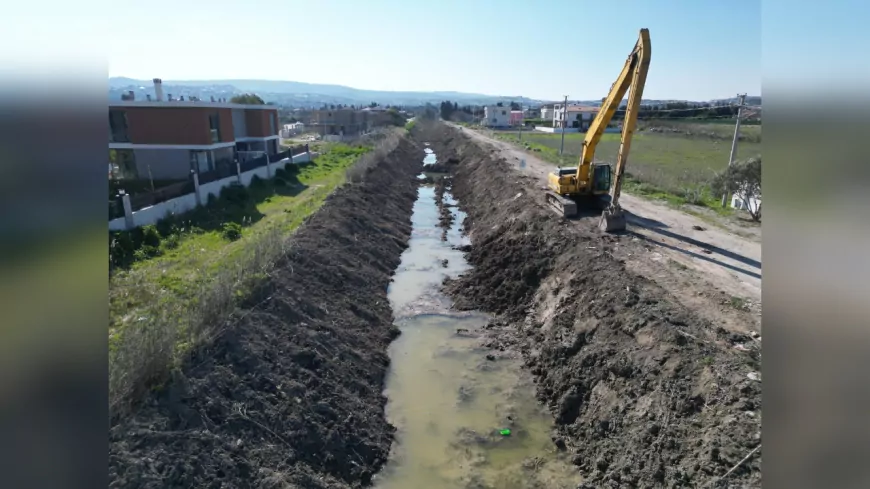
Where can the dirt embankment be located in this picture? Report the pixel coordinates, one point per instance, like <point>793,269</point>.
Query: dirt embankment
<point>644,392</point>
<point>291,396</point>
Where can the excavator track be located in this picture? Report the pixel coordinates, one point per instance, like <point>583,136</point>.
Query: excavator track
<point>563,206</point>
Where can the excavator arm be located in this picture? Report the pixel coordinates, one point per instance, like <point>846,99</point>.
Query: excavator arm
<point>633,75</point>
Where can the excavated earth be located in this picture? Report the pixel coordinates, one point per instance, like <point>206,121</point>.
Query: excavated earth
<point>291,396</point>
<point>644,392</point>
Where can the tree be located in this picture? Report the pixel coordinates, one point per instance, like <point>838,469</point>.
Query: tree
<point>515,106</point>
<point>446,110</point>
<point>743,179</point>
<point>247,99</point>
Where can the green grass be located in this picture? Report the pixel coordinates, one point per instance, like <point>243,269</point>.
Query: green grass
<point>196,245</point>
<point>202,265</point>
<point>410,124</point>
<point>712,129</point>
<point>674,168</point>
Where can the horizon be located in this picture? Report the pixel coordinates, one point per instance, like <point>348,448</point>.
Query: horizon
<point>228,81</point>
<point>485,47</point>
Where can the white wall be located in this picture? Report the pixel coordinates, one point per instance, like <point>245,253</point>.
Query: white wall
<point>178,205</point>
<point>546,113</point>
<point>569,130</point>
<point>557,130</point>
<point>738,203</point>
<point>495,116</point>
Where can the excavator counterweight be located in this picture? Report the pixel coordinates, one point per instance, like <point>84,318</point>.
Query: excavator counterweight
<point>595,181</point>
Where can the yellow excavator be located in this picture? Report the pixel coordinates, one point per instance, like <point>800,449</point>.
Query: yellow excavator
<point>588,182</point>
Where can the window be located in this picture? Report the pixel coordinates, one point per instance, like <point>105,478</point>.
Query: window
<point>199,162</point>
<point>272,123</point>
<point>123,164</point>
<point>214,127</point>
<point>503,112</point>
<point>118,126</point>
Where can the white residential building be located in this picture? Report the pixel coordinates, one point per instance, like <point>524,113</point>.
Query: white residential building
<point>547,112</point>
<point>496,116</point>
<point>290,130</point>
<point>578,116</point>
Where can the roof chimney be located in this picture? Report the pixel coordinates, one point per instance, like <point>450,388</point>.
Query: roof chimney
<point>158,89</point>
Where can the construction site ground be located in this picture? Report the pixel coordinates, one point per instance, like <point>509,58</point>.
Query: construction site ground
<point>643,347</point>
<point>712,268</point>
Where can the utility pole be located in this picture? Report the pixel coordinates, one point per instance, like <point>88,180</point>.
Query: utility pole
<point>741,99</point>
<point>564,119</point>
<point>520,127</point>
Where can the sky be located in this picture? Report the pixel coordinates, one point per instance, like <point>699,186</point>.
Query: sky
<point>701,50</point>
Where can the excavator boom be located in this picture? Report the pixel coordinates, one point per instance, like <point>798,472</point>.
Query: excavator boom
<point>583,182</point>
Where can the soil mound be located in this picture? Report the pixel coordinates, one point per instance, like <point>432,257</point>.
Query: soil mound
<point>644,393</point>
<point>291,396</point>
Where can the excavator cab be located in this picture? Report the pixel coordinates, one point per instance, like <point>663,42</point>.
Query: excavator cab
<point>601,179</point>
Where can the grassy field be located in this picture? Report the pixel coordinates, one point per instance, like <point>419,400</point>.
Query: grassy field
<point>713,129</point>
<point>198,267</point>
<point>675,167</point>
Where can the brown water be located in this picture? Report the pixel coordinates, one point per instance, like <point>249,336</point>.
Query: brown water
<point>448,401</point>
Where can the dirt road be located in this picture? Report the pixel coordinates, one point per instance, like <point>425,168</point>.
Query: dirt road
<point>710,269</point>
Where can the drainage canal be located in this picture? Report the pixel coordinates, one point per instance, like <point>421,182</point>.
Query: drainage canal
<point>465,418</point>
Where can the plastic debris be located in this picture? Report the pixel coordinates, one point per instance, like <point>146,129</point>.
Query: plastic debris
<point>505,432</point>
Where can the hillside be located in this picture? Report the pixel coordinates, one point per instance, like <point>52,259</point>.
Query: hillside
<point>299,94</point>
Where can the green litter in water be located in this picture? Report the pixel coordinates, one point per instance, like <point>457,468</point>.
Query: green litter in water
<point>506,432</point>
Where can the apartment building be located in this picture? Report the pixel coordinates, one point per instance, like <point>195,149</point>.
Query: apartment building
<point>166,139</point>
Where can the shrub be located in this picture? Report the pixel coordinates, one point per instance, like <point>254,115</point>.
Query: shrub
<point>235,193</point>
<point>257,182</point>
<point>172,241</point>
<point>231,231</point>
<point>742,178</point>
<point>150,236</point>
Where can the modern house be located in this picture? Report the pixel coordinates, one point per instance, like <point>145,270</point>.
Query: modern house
<point>547,111</point>
<point>496,116</point>
<point>577,117</point>
<point>166,139</point>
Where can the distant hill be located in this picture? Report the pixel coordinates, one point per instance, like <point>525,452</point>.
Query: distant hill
<point>299,94</point>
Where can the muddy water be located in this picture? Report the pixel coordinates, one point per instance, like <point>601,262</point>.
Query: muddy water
<point>450,398</point>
